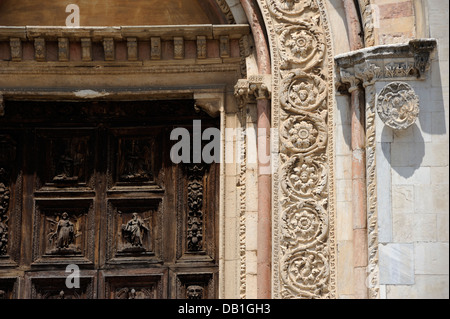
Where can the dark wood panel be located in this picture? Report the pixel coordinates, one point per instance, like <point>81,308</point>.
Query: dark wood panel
<point>92,184</point>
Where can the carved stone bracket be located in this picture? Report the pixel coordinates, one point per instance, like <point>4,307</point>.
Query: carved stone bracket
<point>255,87</point>
<point>211,103</point>
<point>408,62</point>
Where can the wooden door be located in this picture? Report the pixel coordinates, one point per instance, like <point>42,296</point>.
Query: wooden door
<point>92,185</point>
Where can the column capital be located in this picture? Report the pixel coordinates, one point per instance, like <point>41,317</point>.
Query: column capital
<point>255,87</point>
<point>407,62</point>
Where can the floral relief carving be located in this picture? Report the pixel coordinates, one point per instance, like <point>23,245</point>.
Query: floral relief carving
<point>398,105</point>
<point>304,134</point>
<point>302,45</point>
<point>305,225</point>
<point>304,258</point>
<point>195,216</point>
<point>305,92</point>
<point>306,274</point>
<point>291,10</point>
<point>305,176</point>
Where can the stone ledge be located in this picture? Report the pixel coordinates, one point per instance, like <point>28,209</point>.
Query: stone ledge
<point>407,61</point>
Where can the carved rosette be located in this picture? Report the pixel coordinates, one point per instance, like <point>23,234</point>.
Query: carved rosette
<point>398,105</point>
<point>303,198</point>
<point>304,133</point>
<point>301,45</point>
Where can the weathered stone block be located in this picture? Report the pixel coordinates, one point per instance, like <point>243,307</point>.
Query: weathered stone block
<point>396,264</point>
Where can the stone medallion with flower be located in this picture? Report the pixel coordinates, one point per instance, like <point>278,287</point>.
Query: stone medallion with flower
<point>305,92</point>
<point>302,45</point>
<point>304,134</point>
<point>305,176</point>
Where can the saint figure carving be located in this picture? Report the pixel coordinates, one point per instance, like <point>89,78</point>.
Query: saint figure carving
<point>65,233</point>
<point>134,230</point>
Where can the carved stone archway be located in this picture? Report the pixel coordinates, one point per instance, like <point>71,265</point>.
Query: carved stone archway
<point>303,208</point>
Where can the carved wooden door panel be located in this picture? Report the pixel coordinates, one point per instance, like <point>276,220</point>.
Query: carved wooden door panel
<point>92,185</point>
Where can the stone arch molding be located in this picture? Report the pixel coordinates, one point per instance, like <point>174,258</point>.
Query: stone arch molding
<point>303,264</point>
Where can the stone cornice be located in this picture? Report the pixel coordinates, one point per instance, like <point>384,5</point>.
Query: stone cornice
<point>409,61</point>
<point>186,41</point>
<point>188,32</point>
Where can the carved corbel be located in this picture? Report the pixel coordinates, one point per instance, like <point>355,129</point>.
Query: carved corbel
<point>211,103</point>
<point>260,86</point>
<point>39,49</point>
<point>422,49</point>
<point>178,48</point>
<point>86,49</point>
<point>155,49</point>
<point>16,49</point>
<point>255,87</point>
<point>132,49</point>
<point>63,49</point>
<point>225,47</point>
<point>201,47</point>
<point>108,46</point>
<point>242,93</point>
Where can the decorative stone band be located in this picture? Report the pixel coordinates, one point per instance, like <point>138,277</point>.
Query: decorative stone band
<point>200,40</point>
<point>397,106</point>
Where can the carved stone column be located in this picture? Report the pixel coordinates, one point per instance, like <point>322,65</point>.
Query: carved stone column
<point>253,96</point>
<point>358,182</point>
<point>303,253</point>
<point>397,106</point>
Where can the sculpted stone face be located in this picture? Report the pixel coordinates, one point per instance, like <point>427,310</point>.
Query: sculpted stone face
<point>195,292</point>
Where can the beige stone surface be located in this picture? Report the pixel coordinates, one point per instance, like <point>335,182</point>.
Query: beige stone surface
<point>345,267</point>
<point>425,287</point>
<point>403,199</point>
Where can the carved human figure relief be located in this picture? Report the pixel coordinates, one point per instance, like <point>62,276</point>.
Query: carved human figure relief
<point>68,159</point>
<point>398,105</point>
<point>134,231</point>
<point>135,160</point>
<point>63,237</point>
